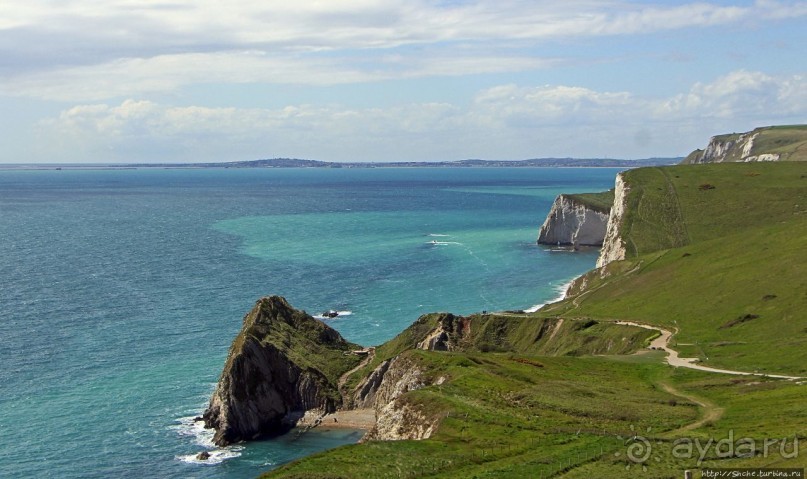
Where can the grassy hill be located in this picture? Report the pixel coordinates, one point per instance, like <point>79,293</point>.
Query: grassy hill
<point>719,252</point>
<point>715,252</point>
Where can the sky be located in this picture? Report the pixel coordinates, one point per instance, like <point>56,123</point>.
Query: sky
<point>116,81</point>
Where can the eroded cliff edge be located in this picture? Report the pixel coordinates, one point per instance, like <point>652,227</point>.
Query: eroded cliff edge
<point>282,363</point>
<point>577,220</point>
<point>613,246</point>
<point>770,143</point>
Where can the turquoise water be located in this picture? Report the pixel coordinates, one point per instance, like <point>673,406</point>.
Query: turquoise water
<point>122,289</point>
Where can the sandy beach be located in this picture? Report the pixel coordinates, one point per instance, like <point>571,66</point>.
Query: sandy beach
<point>354,419</point>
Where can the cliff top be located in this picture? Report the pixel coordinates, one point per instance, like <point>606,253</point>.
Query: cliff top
<point>596,201</point>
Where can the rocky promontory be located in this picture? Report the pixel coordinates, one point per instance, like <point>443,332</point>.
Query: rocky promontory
<point>282,364</point>
<point>577,220</point>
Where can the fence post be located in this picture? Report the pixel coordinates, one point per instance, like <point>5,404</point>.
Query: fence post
<point>687,474</point>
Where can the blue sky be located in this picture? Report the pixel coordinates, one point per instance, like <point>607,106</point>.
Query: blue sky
<point>393,80</point>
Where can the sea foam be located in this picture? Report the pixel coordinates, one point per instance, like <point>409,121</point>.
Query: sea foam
<point>562,289</point>
<point>189,426</point>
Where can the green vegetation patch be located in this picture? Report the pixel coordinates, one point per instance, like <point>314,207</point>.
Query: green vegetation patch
<point>597,201</point>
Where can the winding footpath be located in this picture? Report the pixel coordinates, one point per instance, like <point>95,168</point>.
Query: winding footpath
<point>673,359</point>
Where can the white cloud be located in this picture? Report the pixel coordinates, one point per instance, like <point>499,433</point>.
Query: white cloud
<point>507,122</point>
<point>135,76</point>
<point>551,105</point>
<point>741,94</point>
<point>86,50</point>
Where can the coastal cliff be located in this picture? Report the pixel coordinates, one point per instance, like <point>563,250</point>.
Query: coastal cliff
<point>383,391</point>
<point>576,220</point>
<point>613,246</point>
<point>282,364</point>
<point>782,143</point>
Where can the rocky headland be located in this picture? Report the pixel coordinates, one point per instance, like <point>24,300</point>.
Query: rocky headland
<point>282,364</point>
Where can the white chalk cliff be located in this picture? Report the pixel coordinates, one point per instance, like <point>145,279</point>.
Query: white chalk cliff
<point>613,246</point>
<point>571,223</point>
<point>732,148</point>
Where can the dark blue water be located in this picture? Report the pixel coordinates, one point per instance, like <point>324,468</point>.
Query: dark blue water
<point>122,289</point>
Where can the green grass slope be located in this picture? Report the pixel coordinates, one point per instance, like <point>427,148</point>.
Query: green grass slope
<point>508,415</point>
<point>516,416</point>
<point>725,265</point>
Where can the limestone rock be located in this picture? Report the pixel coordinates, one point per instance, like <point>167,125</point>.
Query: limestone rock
<point>395,418</point>
<point>570,223</point>
<point>613,246</point>
<point>451,330</point>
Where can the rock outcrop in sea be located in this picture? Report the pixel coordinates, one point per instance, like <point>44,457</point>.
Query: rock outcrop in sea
<point>282,364</point>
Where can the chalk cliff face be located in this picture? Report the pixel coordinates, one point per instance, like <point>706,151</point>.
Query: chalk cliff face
<point>571,223</point>
<point>396,419</point>
<point>268,380</point>
<point>613,246</point>
<point>731,148</point>
<point>384,388</point>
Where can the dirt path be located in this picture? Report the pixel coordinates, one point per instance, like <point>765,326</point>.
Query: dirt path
<point>555,330</point>
<point>711,412</point>
<point>673,359</point>
<point>364,362</point>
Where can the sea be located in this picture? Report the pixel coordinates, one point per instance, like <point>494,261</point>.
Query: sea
<point>121,290</point>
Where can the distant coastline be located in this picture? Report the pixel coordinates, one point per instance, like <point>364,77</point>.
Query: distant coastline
<point>300,163</point>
